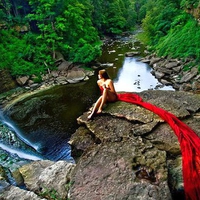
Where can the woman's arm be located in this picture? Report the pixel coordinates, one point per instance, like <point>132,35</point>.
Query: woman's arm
<point>111,86</point>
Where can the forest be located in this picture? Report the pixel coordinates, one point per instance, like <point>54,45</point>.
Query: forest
<point>33,32</point>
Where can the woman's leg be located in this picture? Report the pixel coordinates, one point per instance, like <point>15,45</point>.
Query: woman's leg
<point>103,100</point>
<point>96,106</point>
<point>106,96</point>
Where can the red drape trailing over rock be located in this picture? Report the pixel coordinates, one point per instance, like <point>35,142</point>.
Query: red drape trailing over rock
<point>189,143</point>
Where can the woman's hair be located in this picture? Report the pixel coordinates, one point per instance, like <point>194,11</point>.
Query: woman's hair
<point>104,74</point>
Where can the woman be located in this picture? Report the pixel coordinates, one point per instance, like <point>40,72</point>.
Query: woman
<point>107,90</point>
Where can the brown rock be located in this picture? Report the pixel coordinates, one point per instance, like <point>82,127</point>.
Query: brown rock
<point>6,81</point>
<point>22,80</point>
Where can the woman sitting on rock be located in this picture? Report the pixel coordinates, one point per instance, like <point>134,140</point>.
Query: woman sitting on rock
<point>107,90</point>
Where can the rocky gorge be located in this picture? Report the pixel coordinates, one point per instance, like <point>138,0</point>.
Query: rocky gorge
<point>127,152</point>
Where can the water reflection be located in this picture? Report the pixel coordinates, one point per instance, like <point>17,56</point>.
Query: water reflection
<point>135,76</point>
<point>128,74</point>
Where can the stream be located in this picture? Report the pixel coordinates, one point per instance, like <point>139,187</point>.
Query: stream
<point>47,125</point>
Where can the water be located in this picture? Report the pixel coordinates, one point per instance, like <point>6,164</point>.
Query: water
<point>12,126</point>
<point>135,76</point>
<point>45,121</point>
<point>19,152</point>
<point>128,73</point>
<point>16,141</point>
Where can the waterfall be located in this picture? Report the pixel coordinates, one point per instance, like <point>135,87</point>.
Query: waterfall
<point>17,136</point>
<point>19,152</point>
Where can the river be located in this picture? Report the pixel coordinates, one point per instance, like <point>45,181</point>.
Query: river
<point>47,127</point>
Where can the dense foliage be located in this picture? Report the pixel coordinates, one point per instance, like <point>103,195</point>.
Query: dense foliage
<point>171,28</point>
<point>34,31</point>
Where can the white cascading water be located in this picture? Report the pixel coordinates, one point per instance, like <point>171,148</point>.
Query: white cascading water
<point>11,126</point>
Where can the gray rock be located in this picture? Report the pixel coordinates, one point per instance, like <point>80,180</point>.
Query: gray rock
<point>177,69</point>
<point>64,65</point>
<point>154,60</point>
<point>189,75</point>
<point>159,75</point>
<point>16,193</point>
<point>171,65</point>
<point>131,54</point>
<point>75,76</point>
<point>123,155</point>
<point>171,70</point>
<point>125,149</point>
<point>40,176</point>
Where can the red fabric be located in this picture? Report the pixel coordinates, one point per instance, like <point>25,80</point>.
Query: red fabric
<point>189,144</point>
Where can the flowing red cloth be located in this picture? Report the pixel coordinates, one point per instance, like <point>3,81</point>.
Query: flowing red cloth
<point>189,144</point>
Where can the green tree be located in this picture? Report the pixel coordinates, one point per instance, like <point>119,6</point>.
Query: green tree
<point>160,14</point>
<point>13,54</point>
<point>45,16</point>
<point>5,13</point>
<point>12,12</point>
<point>140,9</point>
<point>170,30</point>
<point>189,4</point>
<point>61,29</point>
<point>113,16</point>
<point>182,40</point>
<point>98,17</point>
<point>80,34</point>
<point>115,20</point>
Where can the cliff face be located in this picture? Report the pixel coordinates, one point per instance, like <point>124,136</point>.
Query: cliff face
<point>127,152</point>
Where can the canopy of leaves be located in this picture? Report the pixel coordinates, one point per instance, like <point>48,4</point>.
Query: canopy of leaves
<point>176,43</point>
<point>114,16</point>
<point>18,55</point>
<point>170,30</point>
<point>74,28</point>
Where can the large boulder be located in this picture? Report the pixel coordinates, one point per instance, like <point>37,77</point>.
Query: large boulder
<point>13,192</point>
<point>42,179</point>
<point>130,152</point>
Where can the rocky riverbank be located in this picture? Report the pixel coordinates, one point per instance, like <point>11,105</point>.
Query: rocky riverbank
<point>182,75</point>
<point>62,76</point>
<point>126,153</point>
